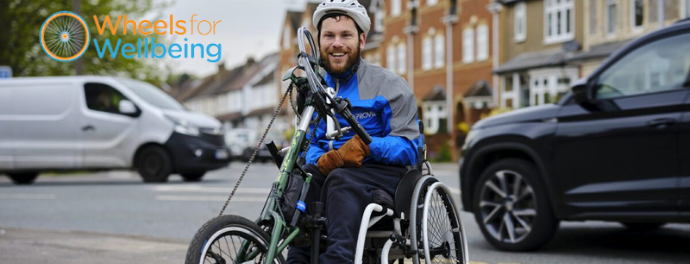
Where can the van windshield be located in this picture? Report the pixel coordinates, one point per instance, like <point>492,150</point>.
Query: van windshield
<point>152,95</point>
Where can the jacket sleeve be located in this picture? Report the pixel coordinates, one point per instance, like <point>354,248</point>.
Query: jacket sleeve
<point>315,151</point>
<point>399,146</point>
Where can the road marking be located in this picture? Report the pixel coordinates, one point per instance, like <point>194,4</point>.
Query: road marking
<point>197,198</point>
<point>27,196</point>
<point>198,188</point>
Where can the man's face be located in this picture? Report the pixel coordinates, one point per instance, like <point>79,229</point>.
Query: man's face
<point>339,43</point>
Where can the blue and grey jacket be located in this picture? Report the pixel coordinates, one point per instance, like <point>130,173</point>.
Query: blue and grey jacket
<point>385,106</point>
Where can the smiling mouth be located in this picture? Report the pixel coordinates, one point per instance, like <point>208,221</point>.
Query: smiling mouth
<point>337,55</point>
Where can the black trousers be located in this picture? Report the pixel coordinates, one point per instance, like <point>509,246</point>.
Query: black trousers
<point>345,193</point>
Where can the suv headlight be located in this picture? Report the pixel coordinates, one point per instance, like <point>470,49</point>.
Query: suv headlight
<point>183,127</point>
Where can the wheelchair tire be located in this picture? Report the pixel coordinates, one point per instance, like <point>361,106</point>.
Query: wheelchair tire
<point>416,212</point>
<point>220,240</point>
<point>443,236</point>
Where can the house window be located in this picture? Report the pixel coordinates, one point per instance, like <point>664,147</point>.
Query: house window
<point>611,17</point>
<point>390,58</point>
<point>482,42</point>
<point>559,20</point>
<point>431,2</point>
<point>402,58</point>
<point>378,20</point>
<point>439,51</point>
<point>520,22</point>
<point>637,14</point>
<point>434,116</point>
<point>468,45</point>
<point>426,53</point>
<point>286,37</point>
<point>395,8</point>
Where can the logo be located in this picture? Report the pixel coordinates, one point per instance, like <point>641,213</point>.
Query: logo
<point>364,115</point>
<point>65,36</point>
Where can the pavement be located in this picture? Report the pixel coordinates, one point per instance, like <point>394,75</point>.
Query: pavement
<point>29,246</point>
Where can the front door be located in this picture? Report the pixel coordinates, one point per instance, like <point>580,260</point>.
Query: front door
<point>620,153</point>
<point>108,135</point>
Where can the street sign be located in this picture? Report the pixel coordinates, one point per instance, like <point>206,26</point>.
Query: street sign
<point>5,72</point>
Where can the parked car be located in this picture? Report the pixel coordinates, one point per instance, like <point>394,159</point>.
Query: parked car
<point>615,148</point>
<point>103,123</point>
<point>242,141</point>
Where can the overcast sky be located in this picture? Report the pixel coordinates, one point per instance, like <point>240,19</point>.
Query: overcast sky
<point>248,28</point>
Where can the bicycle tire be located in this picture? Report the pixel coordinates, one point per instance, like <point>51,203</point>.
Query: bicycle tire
<point>215,240</point>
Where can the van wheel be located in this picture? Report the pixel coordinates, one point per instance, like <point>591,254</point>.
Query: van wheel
<point>512,208</point>
<point>154,164</point>
<point>23,178</point>
<point>193,177</point>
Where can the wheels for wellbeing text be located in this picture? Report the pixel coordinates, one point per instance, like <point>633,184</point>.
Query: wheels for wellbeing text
<point>435,226</point>
<point>65,36</point>
<point>229,239</point>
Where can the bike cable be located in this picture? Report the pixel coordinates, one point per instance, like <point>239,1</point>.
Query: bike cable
<point>256,149</point>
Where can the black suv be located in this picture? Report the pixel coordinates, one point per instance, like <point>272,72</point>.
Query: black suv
<point>616,148</point>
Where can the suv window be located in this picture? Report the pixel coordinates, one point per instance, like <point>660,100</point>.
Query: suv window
<point>659,66</point>
<point>103,98</point>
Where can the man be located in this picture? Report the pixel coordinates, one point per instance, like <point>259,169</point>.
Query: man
<point>346,170</point>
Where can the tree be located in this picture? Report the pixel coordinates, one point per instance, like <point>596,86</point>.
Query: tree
<point>20,46</point>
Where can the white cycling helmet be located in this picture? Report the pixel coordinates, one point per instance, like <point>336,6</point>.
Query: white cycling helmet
<point>350,8</point>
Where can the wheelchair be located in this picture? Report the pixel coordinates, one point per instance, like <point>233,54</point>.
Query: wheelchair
<point>425,227</point>
<point>420,222</point>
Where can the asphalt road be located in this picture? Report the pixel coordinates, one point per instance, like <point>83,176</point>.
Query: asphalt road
<point>119,207</point>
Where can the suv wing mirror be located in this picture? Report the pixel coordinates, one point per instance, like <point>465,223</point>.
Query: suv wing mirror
<point>583,91</point>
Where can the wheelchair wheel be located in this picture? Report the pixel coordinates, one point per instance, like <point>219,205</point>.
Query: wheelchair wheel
<point>229,239</point>
<point>416,213</point>
<point>440,232</point>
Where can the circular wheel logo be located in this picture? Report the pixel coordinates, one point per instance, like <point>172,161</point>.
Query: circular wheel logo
<point>65,36</point>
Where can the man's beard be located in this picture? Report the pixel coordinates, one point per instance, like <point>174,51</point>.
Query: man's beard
<point>352,57</point>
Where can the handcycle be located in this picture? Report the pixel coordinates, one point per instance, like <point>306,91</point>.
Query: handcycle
<point>421,222</point>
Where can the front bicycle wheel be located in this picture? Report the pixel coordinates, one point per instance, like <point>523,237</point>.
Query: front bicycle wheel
<point>229,239</point>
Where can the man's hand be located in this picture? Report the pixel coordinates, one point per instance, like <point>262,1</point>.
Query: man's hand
<point>329,161</point>
<point>351,154</point>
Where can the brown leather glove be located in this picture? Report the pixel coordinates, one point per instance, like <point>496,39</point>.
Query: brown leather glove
<point>353,152</point>
<point>329,161</point>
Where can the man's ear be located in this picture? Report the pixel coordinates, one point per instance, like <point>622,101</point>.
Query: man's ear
<point>362,40</point>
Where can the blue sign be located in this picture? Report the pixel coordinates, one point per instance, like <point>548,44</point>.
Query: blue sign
<point>5,72</point>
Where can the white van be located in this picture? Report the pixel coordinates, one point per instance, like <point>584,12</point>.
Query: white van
<point>102,123</point>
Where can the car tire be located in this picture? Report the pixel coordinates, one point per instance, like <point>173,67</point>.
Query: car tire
<point>642,226</point>
<point>193,177</point>
<point>23,178</point>
<point>154,164</point>
<point>511,206</point>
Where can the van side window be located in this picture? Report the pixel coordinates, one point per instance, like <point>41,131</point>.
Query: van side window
<point>655,67</point>
<point>101,97</point>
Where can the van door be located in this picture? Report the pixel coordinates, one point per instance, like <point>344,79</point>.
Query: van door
<point>6,149</point>
<point>109,136</point>
<point>44,126</point>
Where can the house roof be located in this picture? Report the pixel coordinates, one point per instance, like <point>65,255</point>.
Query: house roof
<point>437,94</point>
<point>600,51</point>
<point>480,89</point>
<point>531,60</point>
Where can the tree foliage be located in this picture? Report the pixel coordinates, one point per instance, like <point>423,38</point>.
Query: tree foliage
<point>20,48</point>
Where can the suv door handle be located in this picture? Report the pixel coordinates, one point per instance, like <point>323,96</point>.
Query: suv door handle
<point>88,128</point>
<point>661,122</point>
